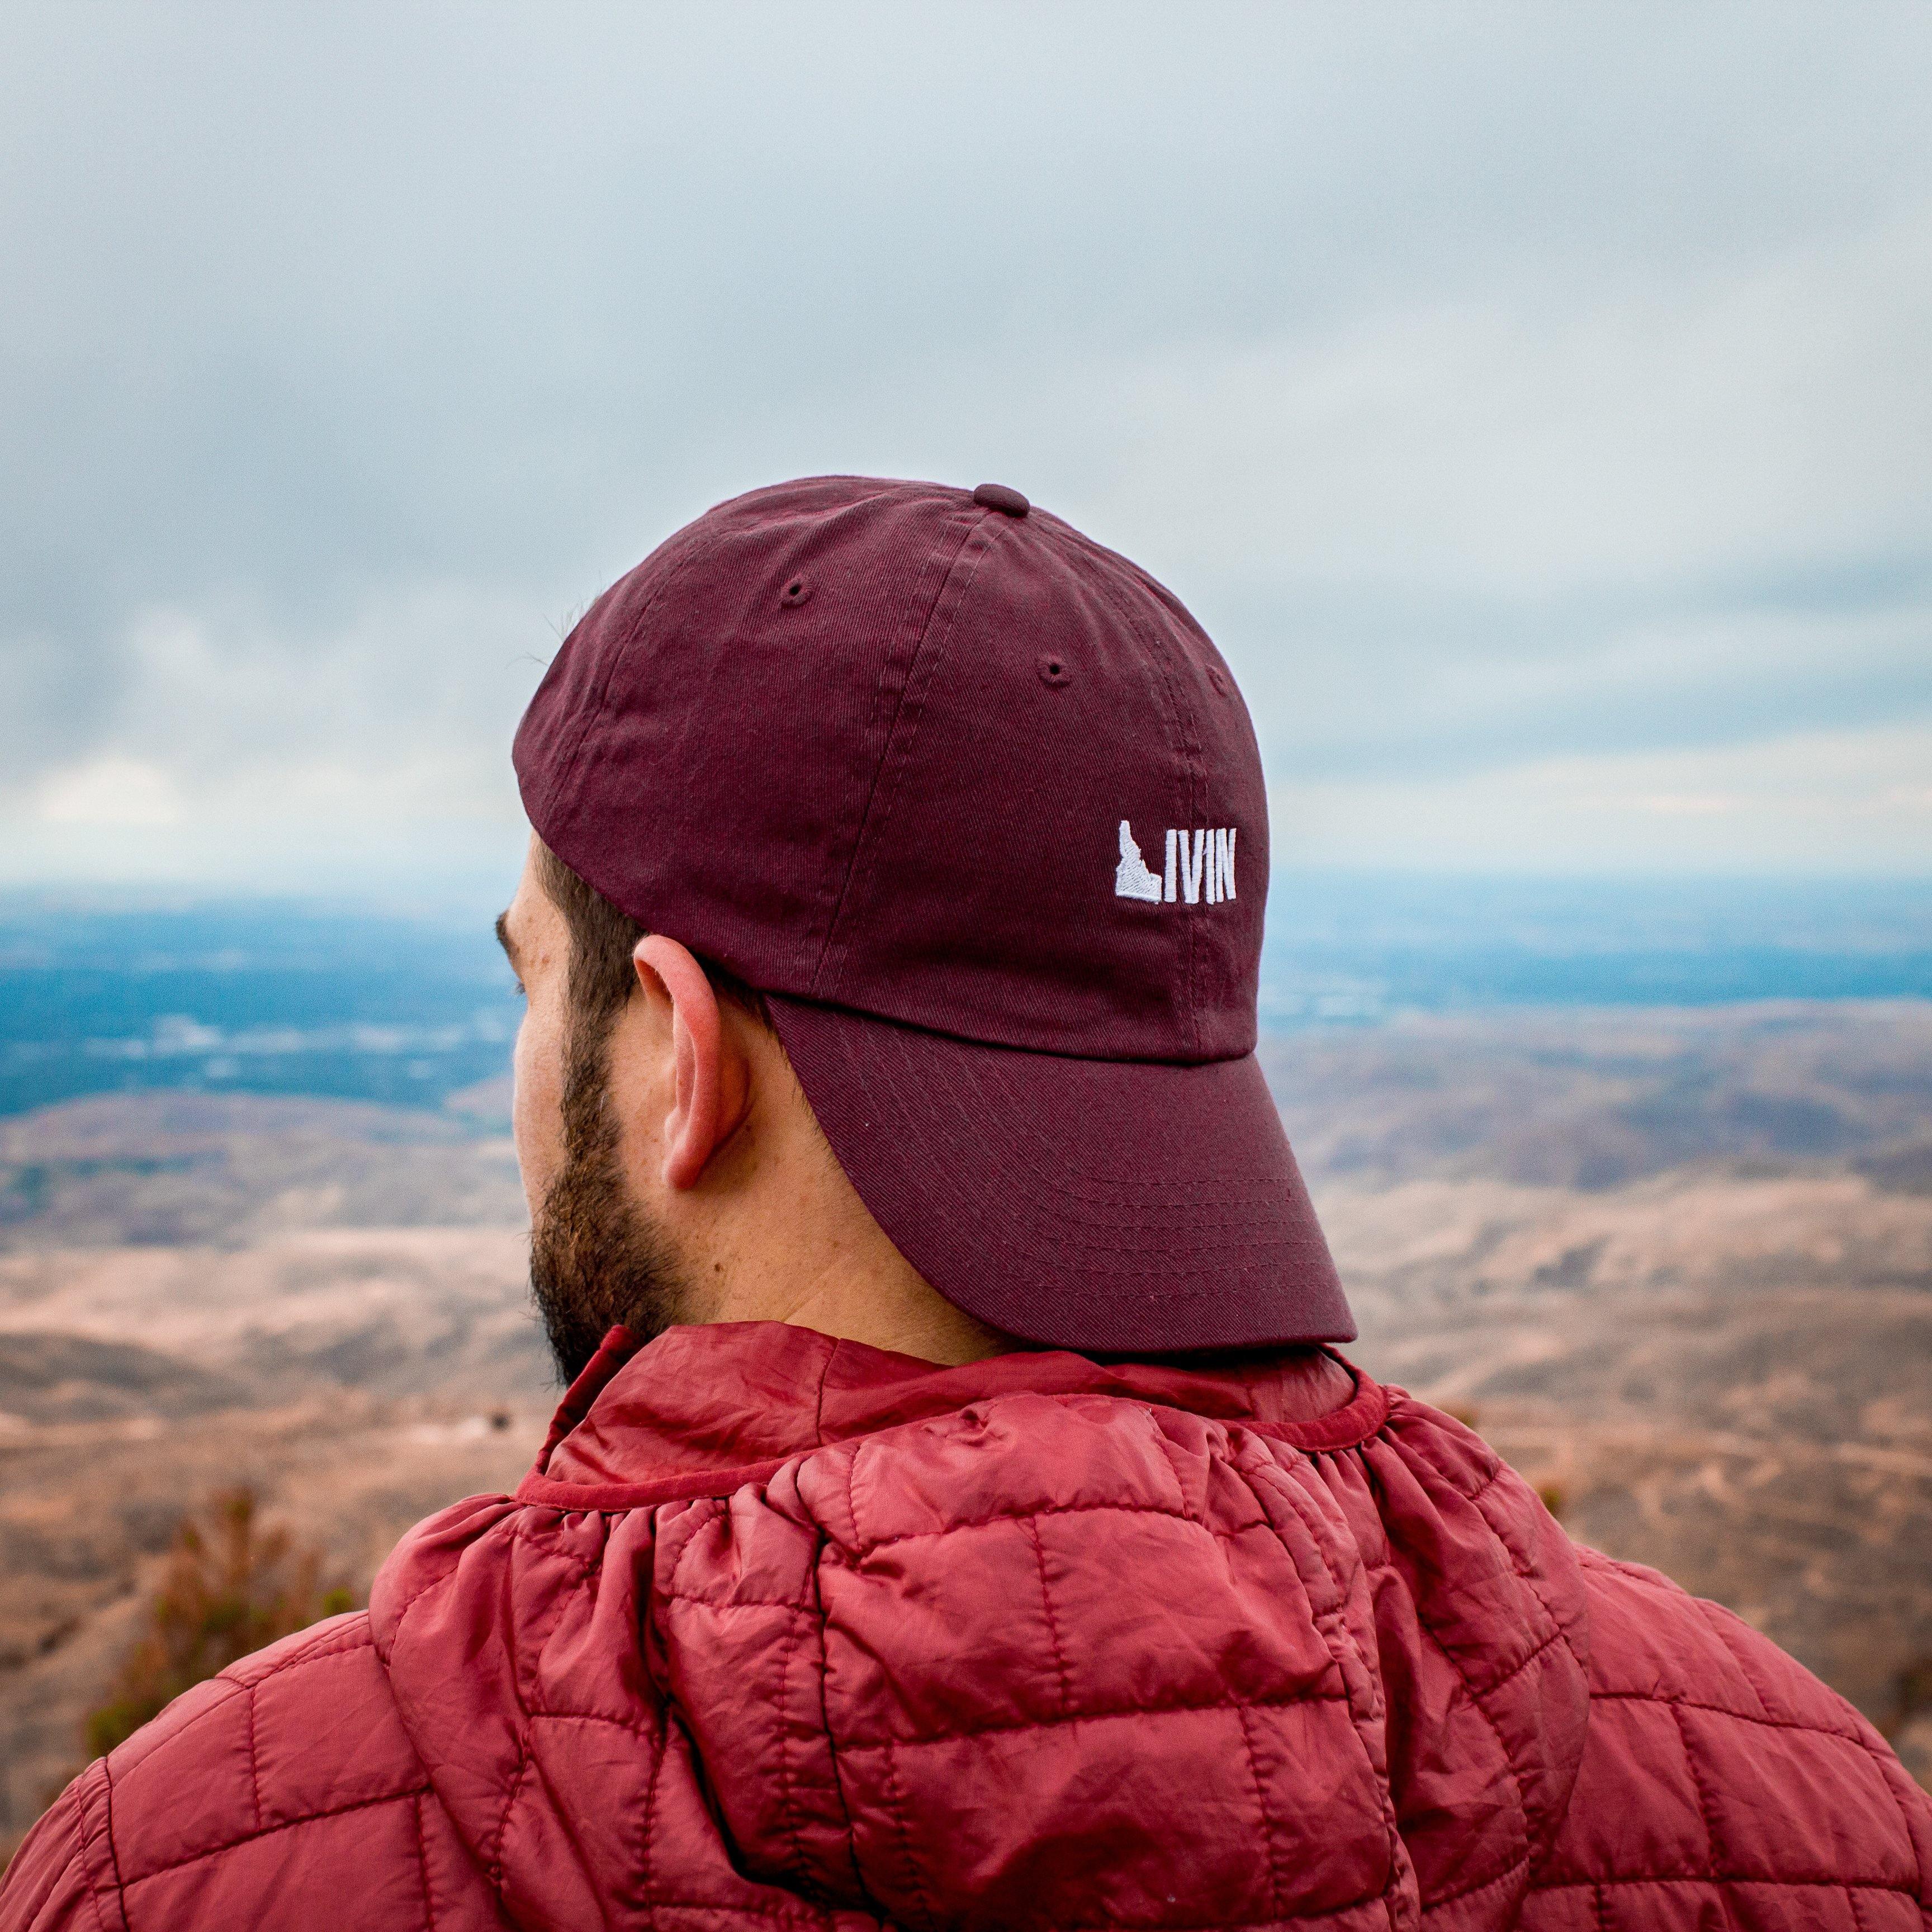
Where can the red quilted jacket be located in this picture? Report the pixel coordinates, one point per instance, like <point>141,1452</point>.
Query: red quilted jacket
<point>785,1632</point>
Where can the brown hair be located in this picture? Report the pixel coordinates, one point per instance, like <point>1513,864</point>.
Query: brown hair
<point>602,976</point>
<point>596,1257</point>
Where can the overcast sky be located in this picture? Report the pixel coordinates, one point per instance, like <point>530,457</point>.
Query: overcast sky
<point>1534,402</point>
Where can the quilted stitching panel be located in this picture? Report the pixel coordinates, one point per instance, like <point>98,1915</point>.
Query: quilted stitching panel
<point>472,1674</point>
<point>1017,1456</point>
<point>49,1886</point>
<point>1479,1623</point>
<point>747,1682</point>
<point>326,1734</point>
<point>1457,1571</point>
<point>1310,1819</point>
<point>192,1708</point>
<point>1706,1788</point>
<point>1561,1909</point>
<point>685,1864</point>
<point>974,1599</point>
<point>1708,1905</point>
<point>455,1899</point>
<point>741,1548</point>
<point>583,1655</point>
<point>359,1866</point>
<point>189,1793</point>
<point>1635,1809</point>
<point>576,1794</point>
<point>1794,1804</point>
<point>303,1731</point>
<point>1886,1912</point>
<point>1087,1856</point>
<point>569,1837</point>
<point>1533,1715</point>
<point>1748,1907</point>
<point>1125,1649</point>
<point>1459,1805</point>
<point>1110,1660</point>
<point>774,1914</point>
<point>744,1648</point>
<point>1064,1663</point>
<point>1648,1640</point>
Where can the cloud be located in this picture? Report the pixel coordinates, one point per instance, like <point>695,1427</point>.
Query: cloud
<point>402,710</point>
<point>1500,389</point>
<point>108,790</point>
<point>1817,802</point>
<point>1766,418</point>
<point>1697,513</point>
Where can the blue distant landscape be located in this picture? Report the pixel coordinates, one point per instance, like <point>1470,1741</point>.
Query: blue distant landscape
<point>267,996</point>
<point>246,996</point>
<point>1362,948</point>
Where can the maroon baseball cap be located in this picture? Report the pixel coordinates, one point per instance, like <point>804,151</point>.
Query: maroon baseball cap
<point>977,806</point>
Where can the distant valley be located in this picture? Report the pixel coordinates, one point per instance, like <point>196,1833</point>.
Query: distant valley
<point>1677,1265</point>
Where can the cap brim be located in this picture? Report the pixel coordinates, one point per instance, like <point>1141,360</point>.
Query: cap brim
<point>1104,1206</point>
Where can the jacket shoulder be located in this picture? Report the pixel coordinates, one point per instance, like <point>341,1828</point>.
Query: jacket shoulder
<point>264,1797</point>
<point>1717,1773</point>
<point>45,1888</point>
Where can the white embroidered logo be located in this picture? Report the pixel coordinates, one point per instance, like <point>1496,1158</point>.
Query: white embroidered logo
<point>1132,879</point>
<point>1200,864</point>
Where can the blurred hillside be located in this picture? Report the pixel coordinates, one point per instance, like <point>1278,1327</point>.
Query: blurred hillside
<point>178,1169</point>
<point>1678,1265</point>
<point>1592,1099</point>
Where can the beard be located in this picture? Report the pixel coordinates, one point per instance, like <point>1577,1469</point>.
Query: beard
<point>596,1257</point>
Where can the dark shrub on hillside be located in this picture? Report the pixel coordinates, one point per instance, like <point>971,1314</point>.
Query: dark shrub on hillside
<point>231,1586</point>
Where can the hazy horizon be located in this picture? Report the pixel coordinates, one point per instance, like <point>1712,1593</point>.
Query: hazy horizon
<point>104,992</point>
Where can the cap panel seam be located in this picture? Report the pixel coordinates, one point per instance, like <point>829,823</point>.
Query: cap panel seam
<point>593,711</point>
<point>929,653</point>
<point>1181,720</point>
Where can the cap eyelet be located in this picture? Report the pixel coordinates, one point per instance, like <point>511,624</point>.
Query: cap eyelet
<point>797,591</point>
<point>1054,670</point>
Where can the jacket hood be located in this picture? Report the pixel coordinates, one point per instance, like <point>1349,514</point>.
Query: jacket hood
<point>788,1626</point>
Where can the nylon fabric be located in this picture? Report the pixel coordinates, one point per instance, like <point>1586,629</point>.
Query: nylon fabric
<point>1038,1643</point>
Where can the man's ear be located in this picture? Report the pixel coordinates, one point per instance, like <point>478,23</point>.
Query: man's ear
<point>713,1091</point>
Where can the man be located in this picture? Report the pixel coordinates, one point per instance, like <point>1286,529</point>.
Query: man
<point>957,1517</point>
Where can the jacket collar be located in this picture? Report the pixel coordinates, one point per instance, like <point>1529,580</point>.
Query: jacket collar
<point>701,1410</point>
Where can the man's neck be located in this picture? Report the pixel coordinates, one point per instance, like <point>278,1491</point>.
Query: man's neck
<point>858,1290</point>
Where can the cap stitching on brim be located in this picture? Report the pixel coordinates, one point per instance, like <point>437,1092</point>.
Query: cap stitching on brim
<point>1090,1185</point>
<point>1283,1235</point>
<point>982,1262</point>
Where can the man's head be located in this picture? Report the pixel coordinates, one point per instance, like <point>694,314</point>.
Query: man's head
<point>674,1169</point>
<point>975,807</point>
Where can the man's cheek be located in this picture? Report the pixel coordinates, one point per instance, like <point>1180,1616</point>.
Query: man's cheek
<point>536,1111</point>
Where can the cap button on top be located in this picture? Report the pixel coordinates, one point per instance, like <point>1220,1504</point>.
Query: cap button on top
<point>997,497</point>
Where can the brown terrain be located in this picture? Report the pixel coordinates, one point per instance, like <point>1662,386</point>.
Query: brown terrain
<point>322,1301</point>
<point>1677,1267</point>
